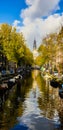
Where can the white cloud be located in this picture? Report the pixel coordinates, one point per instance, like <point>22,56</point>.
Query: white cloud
<point>38,9</point>
<point>16,22</point>
<point>34,26</point>
<point>40,28</point>
<point>29,2</point>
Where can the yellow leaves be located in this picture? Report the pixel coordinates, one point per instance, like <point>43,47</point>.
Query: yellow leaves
<point>48,48</point>
<point>20,51</point>
<point>13,45</point>
<point>38,60</point>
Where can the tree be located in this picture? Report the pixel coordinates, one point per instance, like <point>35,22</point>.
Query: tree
<point>4,40</point>
<point>14,46</point>
<point>59,51</point>
<point>47,50</point>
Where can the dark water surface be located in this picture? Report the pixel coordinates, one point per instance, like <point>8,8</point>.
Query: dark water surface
<point>33,105</point>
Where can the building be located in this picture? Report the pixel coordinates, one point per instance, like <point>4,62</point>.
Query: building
<point>35,52</point>
<point>59,59</point>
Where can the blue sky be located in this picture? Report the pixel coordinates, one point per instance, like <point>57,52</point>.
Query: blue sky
<point>10,10</point>
<point>32,17</point>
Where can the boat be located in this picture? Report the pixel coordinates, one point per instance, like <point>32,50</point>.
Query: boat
<point>54,83</point>
<point>61,92</point>
<point>11,82</point>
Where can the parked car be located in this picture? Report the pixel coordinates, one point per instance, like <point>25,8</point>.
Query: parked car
<point>3,72</point>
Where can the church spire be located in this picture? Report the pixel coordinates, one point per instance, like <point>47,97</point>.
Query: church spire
<point>35,53</point>
<point>34,45</point>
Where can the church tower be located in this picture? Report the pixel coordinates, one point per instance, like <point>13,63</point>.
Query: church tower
<point>34,45</point>
<point>35,53</point>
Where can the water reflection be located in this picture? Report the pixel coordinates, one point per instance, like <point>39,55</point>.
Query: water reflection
<point>31,104</point>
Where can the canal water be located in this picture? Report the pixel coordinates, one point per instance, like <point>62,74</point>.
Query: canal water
<point>32,105</point>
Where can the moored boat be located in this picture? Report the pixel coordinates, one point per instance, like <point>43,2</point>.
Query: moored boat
<point>61,93</point>
<point>54,83</point>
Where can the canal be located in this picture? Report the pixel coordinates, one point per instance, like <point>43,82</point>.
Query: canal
<point>32,105</point>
